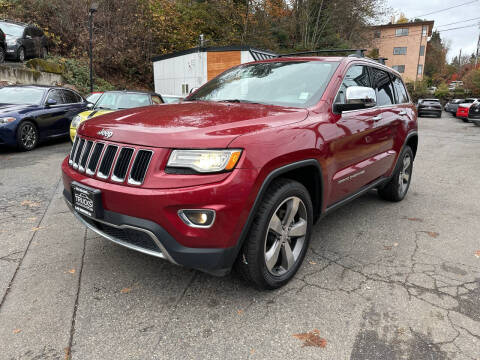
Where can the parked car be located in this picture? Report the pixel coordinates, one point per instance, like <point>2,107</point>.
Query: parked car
<point>429,107</point>
<point>94,96</point>
<point>30,114</point>
<point>452,105</point>
<point>455,84</point>
<point>239,172</point>
<point>171,99</point>
<point>3,46</point>
<point>112,101</point>
<point>462,110</point>
<point>24,40</point>
<point>474,113</point>
<point>432,90</point>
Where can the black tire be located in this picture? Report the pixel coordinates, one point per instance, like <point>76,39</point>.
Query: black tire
<point>439,115</point>
<point>393,190</point>
<point>465,120</point>
<point>27,136</point>
<point>2,55</point>
<point>477,123</point>
<point>44,53</point>
<point>21,54</point>
<point>251,262</point>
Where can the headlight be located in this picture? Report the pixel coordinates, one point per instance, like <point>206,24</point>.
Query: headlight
<point>11,42</point>
<point>204,161</point>
<point>6,120</point>
<point>76,121</point>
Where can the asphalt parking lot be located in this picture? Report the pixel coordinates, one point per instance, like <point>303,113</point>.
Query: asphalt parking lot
<point>380,281</point>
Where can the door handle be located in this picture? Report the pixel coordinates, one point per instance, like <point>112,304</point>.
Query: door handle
<point>403,112</point>
<point>377,118</point>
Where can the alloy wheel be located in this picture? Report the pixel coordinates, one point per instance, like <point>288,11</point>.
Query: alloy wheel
<point>285,236</point>
<point>405,174</point>
<point>21,55</point>
<point>28,136</point>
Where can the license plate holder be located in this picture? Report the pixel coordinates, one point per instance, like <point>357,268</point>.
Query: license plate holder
<point>87,200</point>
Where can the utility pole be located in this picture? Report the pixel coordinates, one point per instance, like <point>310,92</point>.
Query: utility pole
<point>91,11</point>
<point>478,51</point>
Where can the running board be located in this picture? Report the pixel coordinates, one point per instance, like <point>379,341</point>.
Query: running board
<point>359,193</point>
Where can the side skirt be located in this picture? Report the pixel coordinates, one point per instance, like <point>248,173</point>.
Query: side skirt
<point>353,196</point>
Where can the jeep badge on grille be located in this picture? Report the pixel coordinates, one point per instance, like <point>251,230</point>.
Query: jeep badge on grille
<point>105,133</point>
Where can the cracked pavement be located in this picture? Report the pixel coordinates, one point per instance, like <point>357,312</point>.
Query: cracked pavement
<point>380,281</point>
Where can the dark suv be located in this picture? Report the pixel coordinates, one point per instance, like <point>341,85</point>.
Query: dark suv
<point>24,40</point>
<point>238,172</point>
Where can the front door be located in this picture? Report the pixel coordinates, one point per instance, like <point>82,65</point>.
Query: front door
<point>54,117</point>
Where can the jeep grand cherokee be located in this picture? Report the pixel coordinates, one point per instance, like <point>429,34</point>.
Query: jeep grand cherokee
<point>237,174</point>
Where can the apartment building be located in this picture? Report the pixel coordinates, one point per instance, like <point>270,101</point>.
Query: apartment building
<point>404,46</point>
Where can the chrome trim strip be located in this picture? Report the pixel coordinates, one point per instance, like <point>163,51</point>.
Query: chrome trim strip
<point>102,175</point>
<point>89,172</point>
<point>79,167</point>
<point>75,165</point>
<point>70,159</point>
<point>113,177</point>
<point>187,221</point>
<point>82,169</point>
<point>162,255</point>
<point>130,180</point>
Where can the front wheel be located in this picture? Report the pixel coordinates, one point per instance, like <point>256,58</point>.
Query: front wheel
<point>397,187</point>
<point>27,136</point>
<point>279,236</point>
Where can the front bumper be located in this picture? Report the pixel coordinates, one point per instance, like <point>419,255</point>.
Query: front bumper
<point>8,134</point>
<point>146,220</point>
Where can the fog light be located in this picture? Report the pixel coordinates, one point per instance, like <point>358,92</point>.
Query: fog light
<point>197,218</point>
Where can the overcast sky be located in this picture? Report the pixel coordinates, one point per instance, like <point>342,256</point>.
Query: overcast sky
<point>465,39</point>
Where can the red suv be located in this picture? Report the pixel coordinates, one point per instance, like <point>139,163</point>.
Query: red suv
<point>238,173</point>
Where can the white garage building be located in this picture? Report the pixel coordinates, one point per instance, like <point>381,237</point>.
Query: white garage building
<point>179,72</point>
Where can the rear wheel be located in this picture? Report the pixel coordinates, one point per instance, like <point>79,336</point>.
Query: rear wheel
<point>279,236</point>
<point>27,136</point>
<point>21,54</point>
<point>2,55</point>
<point>44,53</point>
<point>465,120</point>
<point>439,115</point>
<point>397,187</point>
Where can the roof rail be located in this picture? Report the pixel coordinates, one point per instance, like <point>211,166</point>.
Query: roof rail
<point>380,60</point>
<point>355,52</point>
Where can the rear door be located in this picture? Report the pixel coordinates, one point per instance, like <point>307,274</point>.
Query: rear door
<point>74,104</point>
<point>353,147</point>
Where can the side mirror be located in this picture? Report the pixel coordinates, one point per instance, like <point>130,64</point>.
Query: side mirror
<point>192,90</point>
<point>357,97</point>
<point>51,102</point>
<point>90,106</point>
<point>28,37</point>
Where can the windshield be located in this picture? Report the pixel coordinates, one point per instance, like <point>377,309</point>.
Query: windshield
<point>21,95</point>
<point>119,100</point>
<point>93,97</point>
<point>285,83</point>
<point>468,101</point>
<point>12,29</point>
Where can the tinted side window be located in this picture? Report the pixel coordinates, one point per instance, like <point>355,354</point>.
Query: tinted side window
<point>56,95</point>
<point>357,75</point>
<point>156,99</point>
<point>383,87</point>
<point>70,97</point>
<point>402,96</point>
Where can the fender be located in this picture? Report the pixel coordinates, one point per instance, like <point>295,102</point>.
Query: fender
<point>409,135</point>
<point>268,180</point>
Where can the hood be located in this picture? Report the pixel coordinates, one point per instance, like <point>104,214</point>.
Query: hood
<point>10,37</point>
<point>190,124</point>
<point>93,113</point>
<point>15,110</point>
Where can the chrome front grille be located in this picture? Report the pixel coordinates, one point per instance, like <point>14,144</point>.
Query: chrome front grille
<point>110,161</point>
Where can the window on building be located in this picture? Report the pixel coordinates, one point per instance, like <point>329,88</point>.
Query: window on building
<point>399,68</point>
<point>424,30</point>
<point>420,69</point>
<point>184,89</point>
<point>377,34</point>
<point>400,50</point>
<point>422,50</point>
<point>401,32</point>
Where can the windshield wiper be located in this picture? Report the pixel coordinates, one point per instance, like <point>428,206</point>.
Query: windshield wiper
<point>238,101</point>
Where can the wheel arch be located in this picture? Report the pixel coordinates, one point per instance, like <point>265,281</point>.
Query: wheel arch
<point>293,171</point>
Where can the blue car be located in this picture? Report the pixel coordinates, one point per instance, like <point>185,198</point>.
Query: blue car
<point>30,114</point>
